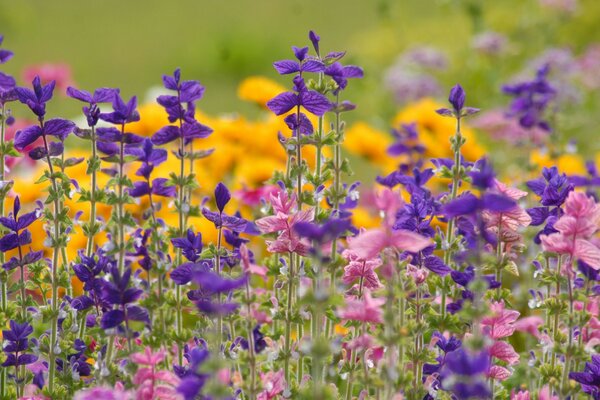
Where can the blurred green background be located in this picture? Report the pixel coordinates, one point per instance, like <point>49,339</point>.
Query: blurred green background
<point>130,44</point>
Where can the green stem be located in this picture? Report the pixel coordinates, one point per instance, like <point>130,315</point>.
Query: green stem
<point>92,220</point>
<point>454,193</point>
<point>288,319</point>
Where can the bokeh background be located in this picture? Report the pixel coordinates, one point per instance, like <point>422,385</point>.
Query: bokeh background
<point>130,44</point>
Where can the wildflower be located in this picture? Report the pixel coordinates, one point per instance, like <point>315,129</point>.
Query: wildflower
<point>273,384</point>
<point>463,373</point>
<point>575,227</point>
<point>118,293</point>
<point>553,189</point>
<point>531,100</point>
<point>212,284</point>
<point>361,270</point>
<point>370,243</point>
<point>312,101</point>
<point>590,377</point>
<point>60,73</point>
<point>221,220</point>
<point>457,100</point>
<point>188,92</point>
<point>16,345</point>
<point>283,222</point>
<point>501,323</point>
<point>248,266</point>
<point>91,111</point>
<point>365,309</point>
<point>36,100</point>
<point>193,380</point>
<point>153,383</point>
<point>123,113</point>
<point>18,234</point>
<point>340,74</point>
<point>5,55</point>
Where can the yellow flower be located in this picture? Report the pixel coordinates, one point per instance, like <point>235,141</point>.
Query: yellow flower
<point>259,90</point>
<point>152,117</point>
<point>570,164</point>
<point>435,131</point>
<point>365,141</point>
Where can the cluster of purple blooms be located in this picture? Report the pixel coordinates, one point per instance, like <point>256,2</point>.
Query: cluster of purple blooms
<point>202,320</point>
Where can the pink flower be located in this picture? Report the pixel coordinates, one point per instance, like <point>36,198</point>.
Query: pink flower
<point>418,275</point>
<point>529,325</point>
<point>273,384</point>
<point>499,373</point>
<point>358,269</point>
<point>61,73</point>
<point>545,394</point>
<point>148,357</point>
<point>501,323</point>
<point>505,352</point>
<point>521,395</point>
<point>253,197</point>
<point>369,244</point>
<point>103,393</point>
<point>575,227</point>
<point>249,267</point>
<point>153,384</point>
<point>508,220</point>
<point>283,221</point>
<point>366,309</point>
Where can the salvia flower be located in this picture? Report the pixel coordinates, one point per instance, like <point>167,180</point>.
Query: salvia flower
<point>457,100</point>
<point>575,229</point>
<point>92,111</point>
<point>18,234</point>
<point>181,107</point>
<point>222,220</point>
<point>310,100</point>
<point>590,377</point>
<point>16,345</point>
<point>37,98</point>
<point>531,100</point>
<point>118,292</point>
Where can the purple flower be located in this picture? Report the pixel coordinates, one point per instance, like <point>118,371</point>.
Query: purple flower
<point>118,293</point>
<point>329,230</point>
<point>123,113</point>
<point>590,377</point>
<point>468,203</point>
<point>5,55</point>
<point>158,187</point>
<point>311,100</point>
<point>37,98</point>
<point>193,379</point>
<point>92,111</point>
<point>16,344</point>
<point>457,100</point>
<point>553,189</point>
<point>221,220</point>
<point>191,245</point>
<point>464,372</point>
<point>149,156</point>
<point>18,234</point>
<point>181,108</point>
<point>340,74</point>
<point>531,100</point>
<point>59,128</point>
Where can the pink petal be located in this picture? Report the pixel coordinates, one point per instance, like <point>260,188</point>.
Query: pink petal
<point>409,241</point>
<point>505,352</point>
<point>369,244</point>
<point>498,373</point>
<point>588,253</point>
